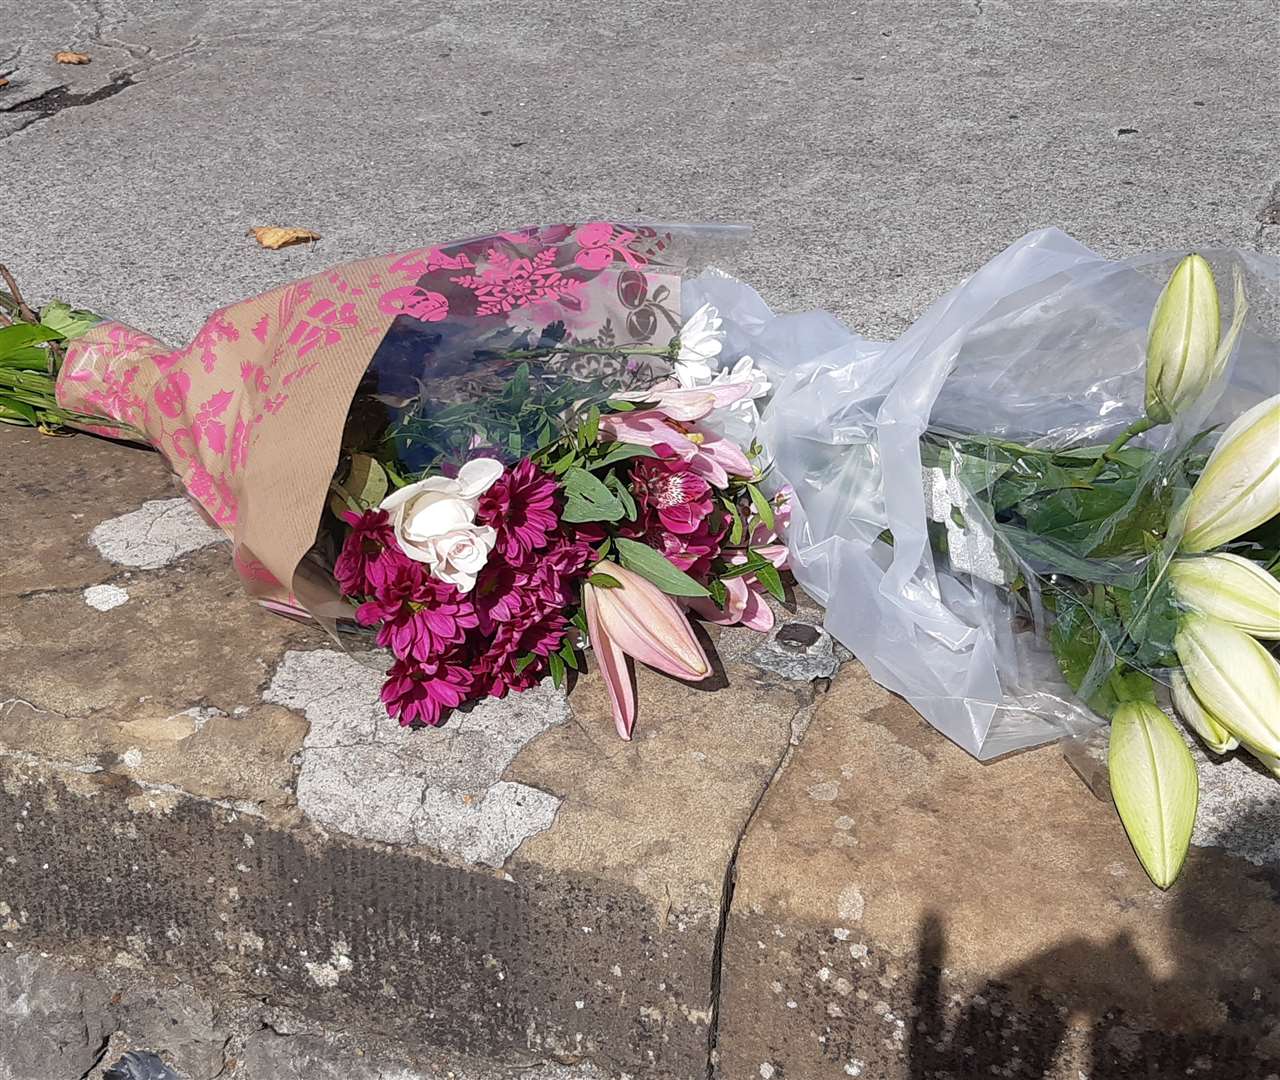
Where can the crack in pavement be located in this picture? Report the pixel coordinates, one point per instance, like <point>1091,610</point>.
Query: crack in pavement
<point>730,883</point>
<point>54,101</point>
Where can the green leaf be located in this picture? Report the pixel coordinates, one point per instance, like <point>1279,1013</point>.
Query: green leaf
<point>26,358</point>
<point>587,499</point>
<point>604,581</point>
<point>366,485</point>
<point>17,412</point>
<point>738,530</point>
<point>754,564</point>
<point>591,426</point>
<point>556,664</point>
<point>1154,784</point>
<point>565,463</point>
<point>20,335</point>
<point>624,496</point>
<point>769,577</point>
<point>622,452</point>
<point>568,653</point>
<point>719,594</point>
<point>763,507</point>
<point>579,620</point>
<point>524,661</point>
<point>657,568</point>
<point>70,322</point>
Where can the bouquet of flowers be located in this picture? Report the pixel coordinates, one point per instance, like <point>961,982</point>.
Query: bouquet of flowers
<point>994,524</point>
<point>488,453</point>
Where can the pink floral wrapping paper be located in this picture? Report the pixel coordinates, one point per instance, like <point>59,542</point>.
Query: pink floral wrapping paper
<point>250,414</point>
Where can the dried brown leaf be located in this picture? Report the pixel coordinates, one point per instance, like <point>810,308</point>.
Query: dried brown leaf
<point>3,81</point>
<point>67,57</point>
<point>278,236</point>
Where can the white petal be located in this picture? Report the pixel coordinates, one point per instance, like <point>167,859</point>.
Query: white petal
<point>431,484</point>
<point>427,518</point>
<point>477,476</point>
<point>692,374</point>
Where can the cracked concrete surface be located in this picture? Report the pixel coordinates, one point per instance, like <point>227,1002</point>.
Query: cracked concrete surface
<point>882,150</point>
<point>154,535</point>
<point>366,775</point>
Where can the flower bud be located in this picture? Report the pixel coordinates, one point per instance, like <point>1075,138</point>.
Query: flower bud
<point>1216,737</point>
<point>1240,486</point>
<point>1155,787</point>
<point>1234,678</point>
<point>1182,340</point>
<point>1231,588</point>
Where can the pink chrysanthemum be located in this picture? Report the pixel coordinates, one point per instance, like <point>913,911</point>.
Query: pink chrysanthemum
<point>521,507</point>
<point>369,554</point>
<point>421,617</point>
<point>420,692</point>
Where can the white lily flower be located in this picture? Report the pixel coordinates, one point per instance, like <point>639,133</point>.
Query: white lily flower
<point>1234,678</point>
<point>1240,486</point>
<point>1216,737</point>
<point>701,340</point>
<point>1231,588</point>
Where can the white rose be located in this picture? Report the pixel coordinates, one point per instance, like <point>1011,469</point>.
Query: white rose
<point>434,522</point>
<point>460,555</point>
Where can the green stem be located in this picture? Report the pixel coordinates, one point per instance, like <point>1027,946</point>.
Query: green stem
<point>1140,425</point>
<point>587,350</point>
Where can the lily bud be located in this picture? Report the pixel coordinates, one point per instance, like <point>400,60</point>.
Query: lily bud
<point>1182,340</point>
<point>1231,588</point>
<point>1234,678</point>
<point>1155,787</point>
<point>1240,486</point>
<point>638,619</point>
<point>1216,737</point>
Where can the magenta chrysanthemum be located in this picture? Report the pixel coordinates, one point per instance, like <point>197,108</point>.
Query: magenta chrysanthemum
<point>421,616</point>
<point>521,507</point>
<point>369,554</point>
<point>421,692</point>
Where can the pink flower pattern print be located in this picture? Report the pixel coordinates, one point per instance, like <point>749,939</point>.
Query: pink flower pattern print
<point>510,283</point>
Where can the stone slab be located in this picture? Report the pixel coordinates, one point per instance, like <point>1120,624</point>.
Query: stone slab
<point>201,788</point>
<point>904,913</point>
<point>59,1021</point>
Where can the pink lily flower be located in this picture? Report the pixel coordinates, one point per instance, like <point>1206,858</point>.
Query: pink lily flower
<point>743,604</point>
<point>744,600</point>
<point>641,621</point>
<point>672,422</point>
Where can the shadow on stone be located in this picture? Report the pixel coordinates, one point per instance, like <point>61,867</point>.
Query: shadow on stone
<point>1013,1026</point>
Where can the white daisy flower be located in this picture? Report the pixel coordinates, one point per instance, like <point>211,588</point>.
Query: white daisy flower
<point>701,340</point>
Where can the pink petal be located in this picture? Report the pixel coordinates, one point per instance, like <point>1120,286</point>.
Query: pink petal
<point>726,453</point>
<point>649,625</point>
<point>613,667</point>
<point>757,615</point>
<point>688,405</point>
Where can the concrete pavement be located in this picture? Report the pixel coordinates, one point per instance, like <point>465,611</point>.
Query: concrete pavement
<point>882,149</point>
